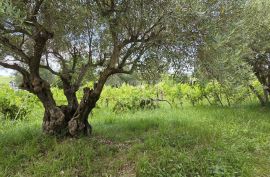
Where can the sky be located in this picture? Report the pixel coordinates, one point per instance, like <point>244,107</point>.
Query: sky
<point>5,72</point>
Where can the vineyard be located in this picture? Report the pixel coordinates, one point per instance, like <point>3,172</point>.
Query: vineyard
<point>16,104</point>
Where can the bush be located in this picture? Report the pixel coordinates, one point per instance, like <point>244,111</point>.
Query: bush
<point>16,104</point>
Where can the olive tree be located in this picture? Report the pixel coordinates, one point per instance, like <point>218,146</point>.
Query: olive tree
<point>255,28</point>
<point>238,49</point>
<point>73,39</point>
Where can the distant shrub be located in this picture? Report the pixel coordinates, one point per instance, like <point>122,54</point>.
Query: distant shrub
<point>15,104</point>
<point>135,105</point>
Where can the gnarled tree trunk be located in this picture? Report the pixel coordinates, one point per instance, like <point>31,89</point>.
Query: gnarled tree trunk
<point>79,122</point>
<point>55,118</point>
<point>71,119</point>
<point>63,120</point>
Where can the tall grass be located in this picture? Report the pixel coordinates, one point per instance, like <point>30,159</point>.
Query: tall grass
<point>189,141</point>
<point>5,79</point>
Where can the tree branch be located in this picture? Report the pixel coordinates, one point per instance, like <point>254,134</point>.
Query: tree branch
<point>17,29</point>
<point>15,67</point>
<point>5,42</point>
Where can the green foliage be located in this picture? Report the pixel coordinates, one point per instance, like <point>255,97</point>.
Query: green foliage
<point>258,86</point>
<point>132,98</point>
<point>4,80</point>
<point>193,93</point>
<point>126,97</point>
<point>8,10</point>
<point>59,96</point>
<point>16,104</point>
<point>167,89</point>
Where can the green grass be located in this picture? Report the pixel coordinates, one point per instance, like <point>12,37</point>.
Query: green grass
<point>192,141</point>
<point>5,79</point>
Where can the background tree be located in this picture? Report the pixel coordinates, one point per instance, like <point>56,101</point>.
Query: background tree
<point>222,44</point>
<point>255,29</point>
<point>236,48</point>
<point>152,67</point>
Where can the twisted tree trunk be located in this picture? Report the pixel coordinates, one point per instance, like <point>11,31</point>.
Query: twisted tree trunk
<point>63,120</point>
<point>79,122</point>
<point>71,119</point>
<point>60,120</point>
<point>55,118</point>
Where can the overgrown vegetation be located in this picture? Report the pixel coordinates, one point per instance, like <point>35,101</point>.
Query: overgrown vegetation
<point>193,141</point>
<point>5,80</point>
<point>15,104</point>
<point>183,140</point>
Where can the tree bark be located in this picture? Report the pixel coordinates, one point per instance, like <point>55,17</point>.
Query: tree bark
<point>54,122</point>
<point>70,91</point>
<point>66,120</point>
<point>79,123</point>
<point>266,94</point>
<point>261,99</point>
<point>55,118</point>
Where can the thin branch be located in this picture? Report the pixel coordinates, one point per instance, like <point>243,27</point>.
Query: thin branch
<point>129,52</point>
<point>5,42</point>
<point>17,29</point>
<point>35,11</point>
<point>59,57</point>
<point>50,69</point>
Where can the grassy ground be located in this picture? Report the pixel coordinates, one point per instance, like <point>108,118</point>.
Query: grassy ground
<point>193,141</point>
<point>5,79</point>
